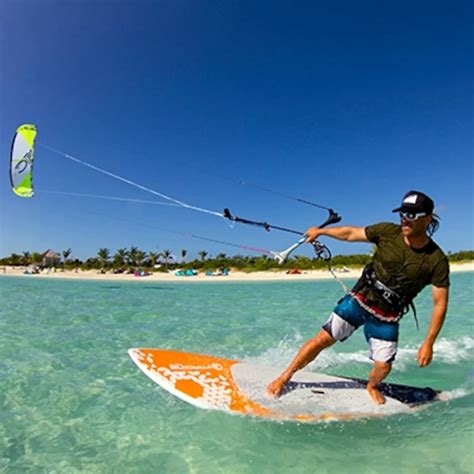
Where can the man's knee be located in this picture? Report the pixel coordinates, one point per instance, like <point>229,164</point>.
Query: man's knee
<point>323,339</point>
<point>382,367</point>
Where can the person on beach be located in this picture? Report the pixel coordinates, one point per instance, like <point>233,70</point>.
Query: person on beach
<point>405,261</point>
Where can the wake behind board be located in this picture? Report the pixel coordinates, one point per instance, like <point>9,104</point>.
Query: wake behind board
<point>239,387</point>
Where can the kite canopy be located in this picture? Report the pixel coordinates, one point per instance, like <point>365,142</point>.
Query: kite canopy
<point>21,160</point>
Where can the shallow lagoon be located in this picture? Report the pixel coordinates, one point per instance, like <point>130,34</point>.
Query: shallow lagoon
<point>72,401</point>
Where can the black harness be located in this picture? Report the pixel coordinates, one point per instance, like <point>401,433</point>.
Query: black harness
<point>399,303</point>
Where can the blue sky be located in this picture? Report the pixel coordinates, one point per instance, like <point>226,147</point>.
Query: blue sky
<point>349,104</point>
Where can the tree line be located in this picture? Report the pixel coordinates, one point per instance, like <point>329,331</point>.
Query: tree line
<point>134,258</point>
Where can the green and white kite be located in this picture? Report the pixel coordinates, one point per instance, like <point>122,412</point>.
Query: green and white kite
<point>21,160</point>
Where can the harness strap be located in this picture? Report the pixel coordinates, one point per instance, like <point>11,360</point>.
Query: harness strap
<point>370,277</point>
<point>370,310</point>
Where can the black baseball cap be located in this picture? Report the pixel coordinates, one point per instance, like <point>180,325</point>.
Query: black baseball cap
<point>416,202</point>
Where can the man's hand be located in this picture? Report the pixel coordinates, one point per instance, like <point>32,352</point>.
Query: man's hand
<point>312,233</point>
<point>425,354</point>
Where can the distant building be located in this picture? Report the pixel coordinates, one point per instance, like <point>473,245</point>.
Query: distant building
<point>51,259</point>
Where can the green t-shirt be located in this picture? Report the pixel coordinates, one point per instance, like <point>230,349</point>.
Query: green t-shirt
<point>403,268</point>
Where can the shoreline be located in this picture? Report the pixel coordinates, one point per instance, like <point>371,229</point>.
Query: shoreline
<point>236,276</point>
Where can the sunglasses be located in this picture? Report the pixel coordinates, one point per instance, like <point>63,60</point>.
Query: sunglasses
<point>411,216</point>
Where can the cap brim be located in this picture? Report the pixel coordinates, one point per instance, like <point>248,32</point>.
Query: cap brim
<point>409,209</point>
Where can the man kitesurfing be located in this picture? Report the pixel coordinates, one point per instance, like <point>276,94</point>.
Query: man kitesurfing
<point>406,260</point>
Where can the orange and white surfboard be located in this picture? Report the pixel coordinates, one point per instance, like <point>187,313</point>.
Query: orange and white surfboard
<point>239,387</point>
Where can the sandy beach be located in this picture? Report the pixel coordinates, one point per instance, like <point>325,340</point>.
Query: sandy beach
<point>201,276</point>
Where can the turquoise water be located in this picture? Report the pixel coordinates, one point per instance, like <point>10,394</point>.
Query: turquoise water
<point>72,401</point>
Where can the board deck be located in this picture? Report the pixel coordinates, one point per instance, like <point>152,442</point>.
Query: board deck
<point>239,387</point>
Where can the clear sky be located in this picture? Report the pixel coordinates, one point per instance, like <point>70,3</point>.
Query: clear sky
<point>349,104</point>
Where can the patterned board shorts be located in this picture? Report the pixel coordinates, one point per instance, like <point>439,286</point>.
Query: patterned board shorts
<point>381,336</point>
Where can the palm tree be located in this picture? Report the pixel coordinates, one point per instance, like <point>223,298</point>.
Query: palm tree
<point>239,261</point>
<point>183,254</point>
<point>104,255</point>
<point>136,256</point>
<point>166,255</point>
<point>120,257</point>
<point>15,259</point>
<point>153,258</point>
<point>26,260</point>
<point>132,256</point>
<point>66,254</point>
<point>202,254</point>
<point>36,257</point>
<point>140,256</point>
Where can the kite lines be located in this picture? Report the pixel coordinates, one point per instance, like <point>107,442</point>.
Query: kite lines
<point>21,177</point>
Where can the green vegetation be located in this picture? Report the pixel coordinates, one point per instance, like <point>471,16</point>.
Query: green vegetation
<point>462,256</point>
<point>129,260</point>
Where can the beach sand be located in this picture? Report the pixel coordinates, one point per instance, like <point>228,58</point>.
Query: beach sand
<point>201,277</point>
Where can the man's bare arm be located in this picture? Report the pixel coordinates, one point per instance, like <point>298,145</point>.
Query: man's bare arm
<point>440,302</point>
<point>347,233</point>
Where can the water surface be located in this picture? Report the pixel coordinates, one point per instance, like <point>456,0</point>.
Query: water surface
<point>72,401</point>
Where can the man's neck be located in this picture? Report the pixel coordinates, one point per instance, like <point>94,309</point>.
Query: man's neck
<point>417,241</point>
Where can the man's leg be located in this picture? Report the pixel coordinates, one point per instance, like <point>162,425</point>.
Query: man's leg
<point>306,354</point>
<point>379,371</point>
<point>343,321</point>
<point>383,341</point>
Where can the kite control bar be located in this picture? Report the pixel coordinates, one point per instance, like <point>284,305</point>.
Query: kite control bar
<point>333,218</point>
<point>321,250</point>
<point>264,225</point>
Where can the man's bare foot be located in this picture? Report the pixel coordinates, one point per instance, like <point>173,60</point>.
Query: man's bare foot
<point>376,396</point>
<point>275,388</point>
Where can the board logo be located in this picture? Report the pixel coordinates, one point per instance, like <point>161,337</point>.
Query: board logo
<point>213,366</point>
